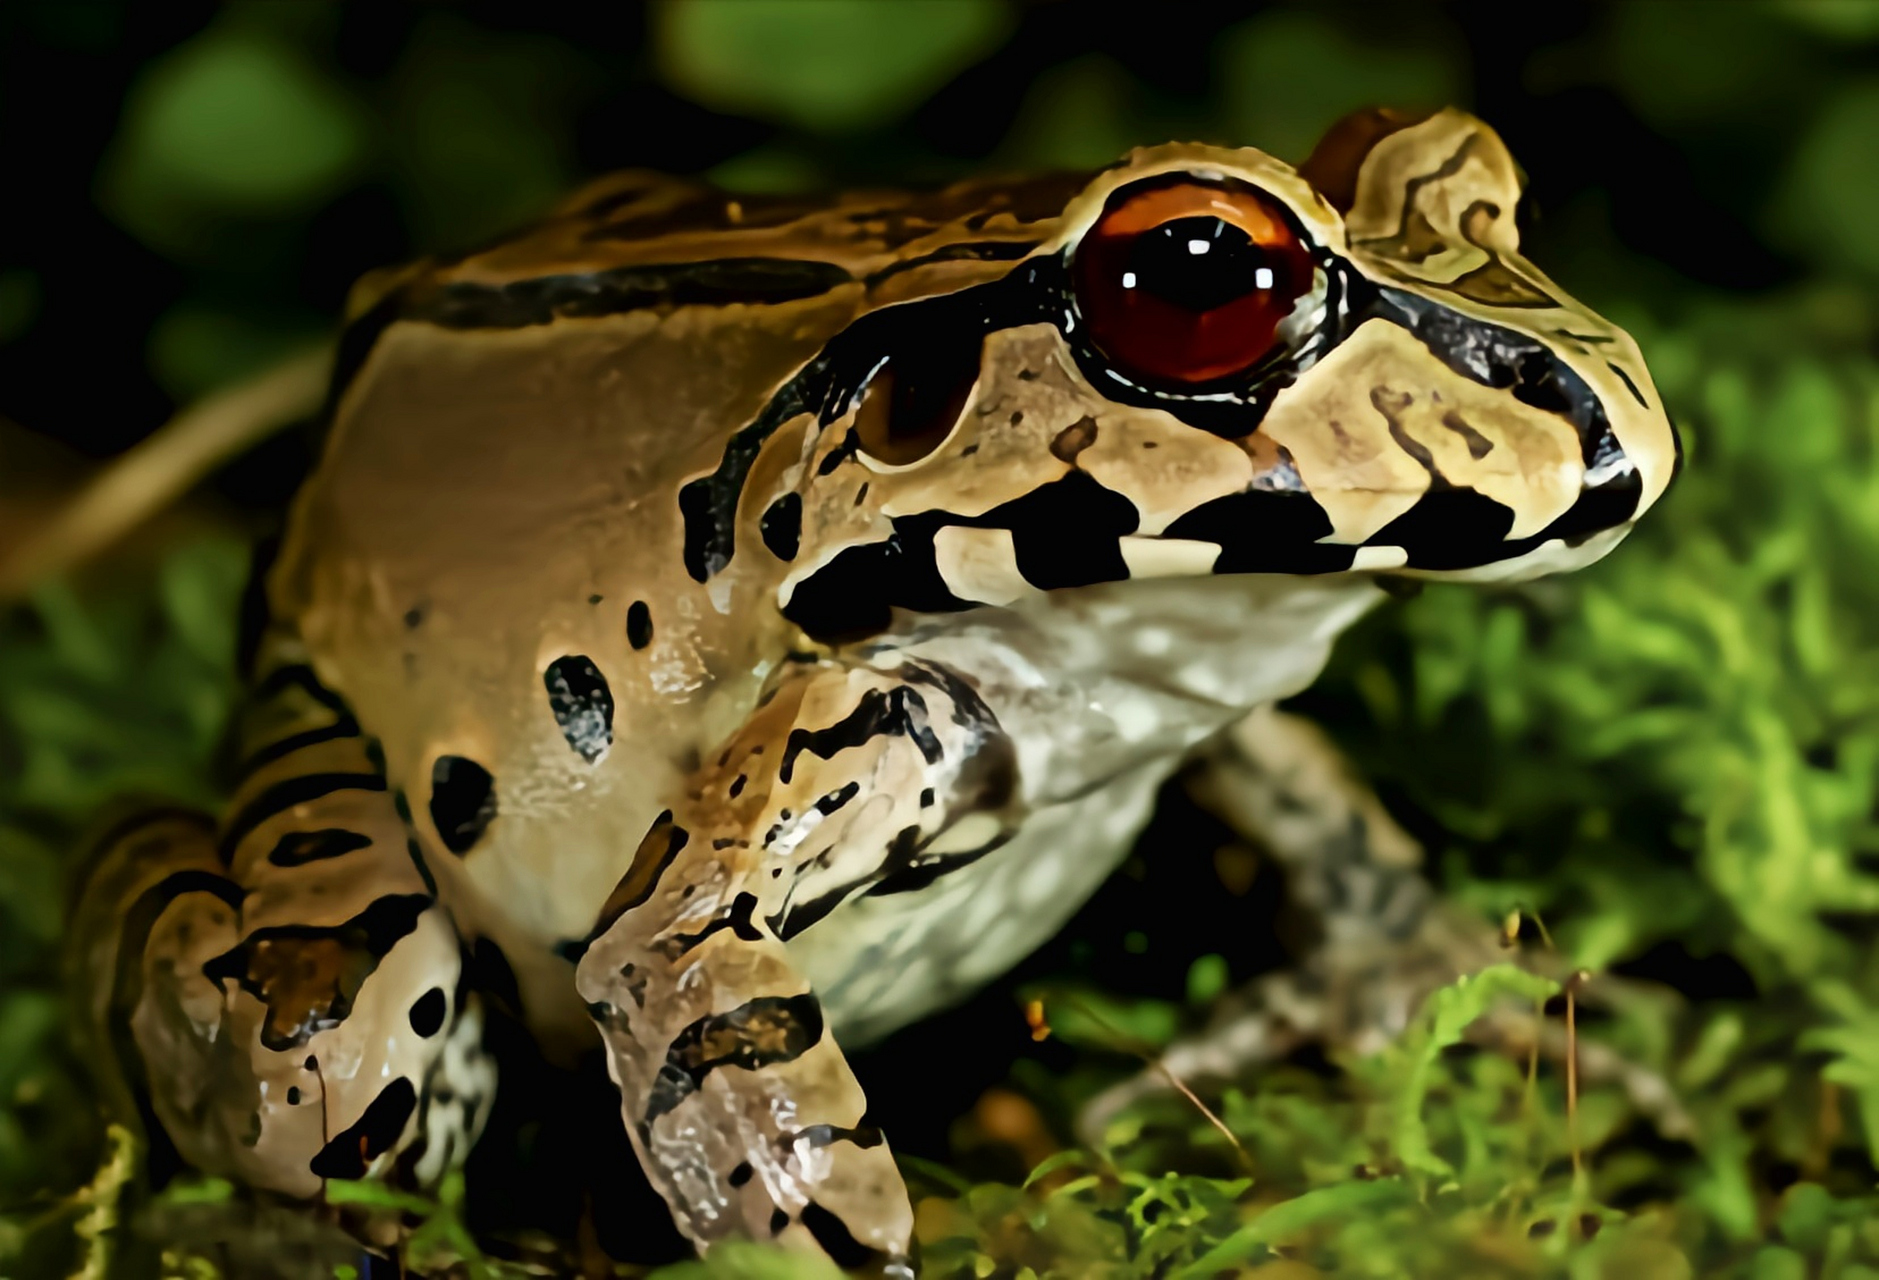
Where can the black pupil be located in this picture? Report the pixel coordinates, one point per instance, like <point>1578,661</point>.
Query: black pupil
<point>1200,263</point>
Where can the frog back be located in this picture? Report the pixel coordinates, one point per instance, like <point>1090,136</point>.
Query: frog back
<point>489,560</point>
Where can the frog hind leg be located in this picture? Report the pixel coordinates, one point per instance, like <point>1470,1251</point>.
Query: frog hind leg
<point>740,1104</point>
<point>284,997</point>
<point>1382,938</point>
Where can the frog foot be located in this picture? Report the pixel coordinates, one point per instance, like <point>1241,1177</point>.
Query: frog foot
<point>1386,940</point>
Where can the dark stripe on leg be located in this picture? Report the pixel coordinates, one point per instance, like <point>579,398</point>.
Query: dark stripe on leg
<point>737,919</point>
<point>761,1033</point>
<point>349,1154</point>
<point>836,1239</point>
<point>301,677</point>
<point>308,975</point>
<point>344,727</point>
<point>284,795</point>
<point>297,848</point>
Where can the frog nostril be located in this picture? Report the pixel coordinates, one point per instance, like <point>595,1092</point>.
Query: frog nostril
<point>911,404</point>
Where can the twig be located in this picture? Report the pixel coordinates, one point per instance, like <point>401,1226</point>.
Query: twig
<point>155,472</point>
<point>1161,1068</point>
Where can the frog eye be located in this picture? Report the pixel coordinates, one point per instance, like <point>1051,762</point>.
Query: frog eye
<point>1188,283</point>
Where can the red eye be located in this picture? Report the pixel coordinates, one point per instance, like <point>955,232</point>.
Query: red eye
<point>1187,283</point>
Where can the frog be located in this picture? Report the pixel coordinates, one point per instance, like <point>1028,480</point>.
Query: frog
<point>724,629</point>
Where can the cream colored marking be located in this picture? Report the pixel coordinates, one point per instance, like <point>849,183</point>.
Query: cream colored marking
<point>980,564</point>
<point>1379,558</point>
<point>974,831</point>
<point>1163,466</point>
<point>1008,459</point>
<point>1455,221</point>
<point>1389,405</point>
<point>1168,557</point>
<point>1532,463</point>
<point>1340,444</point>
<point>1464,221</point>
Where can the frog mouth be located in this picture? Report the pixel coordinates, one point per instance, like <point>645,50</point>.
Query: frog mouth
<point>939,562</point>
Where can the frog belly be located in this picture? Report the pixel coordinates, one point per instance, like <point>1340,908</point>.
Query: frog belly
<point>879,963</point>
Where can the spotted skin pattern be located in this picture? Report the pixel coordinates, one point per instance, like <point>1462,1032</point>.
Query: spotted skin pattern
<point>291,984</point>
<point>740,1103</point>
<point>744,625</point>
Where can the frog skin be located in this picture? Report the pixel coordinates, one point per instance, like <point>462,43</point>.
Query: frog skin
<point>743,626</point>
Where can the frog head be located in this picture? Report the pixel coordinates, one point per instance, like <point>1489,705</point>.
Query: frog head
<point>1208,362</point>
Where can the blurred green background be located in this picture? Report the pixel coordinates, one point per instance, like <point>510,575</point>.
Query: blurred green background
<point>1673,757</point>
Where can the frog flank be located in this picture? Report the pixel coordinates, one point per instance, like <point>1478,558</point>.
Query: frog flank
<point>724,630</point>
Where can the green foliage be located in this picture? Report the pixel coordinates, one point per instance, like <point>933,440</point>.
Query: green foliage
<point>235,122</point>
<point>823,64</point>
<point>1288,74</point>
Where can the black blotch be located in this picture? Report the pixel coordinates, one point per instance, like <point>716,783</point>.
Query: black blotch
<point>1497,357</point>
<point>544,299</point>
<point>836,1239</point>
<point>293,1095</point>
<point>829,385</point>
<point>1038,520</point>
<point>582,704</point>
<point>836,799</point>
<point>899,712</point>
<point>737,920</point>
<point>863,1135</point>
<point>297,848</point>
<point>778,1220</point>
<point>839,454</point>
<point>757,1034</point>
<point>1630,386</point>
<point>414,616</point>
<point>1264,532</point>
<point>596,598</point>
<point>348,1154</point>
<point>852,594</point>
<point>1449,529</point>
<point>486,970</point>
<point>427,1015</point>
<point>781,526</point>
<point>638,624</point>
<point>463,801</point>
<point>737,785</point>
<point>400,805</point>
<point>308,975</point>
<point>287,794</point>
<point>741,1174</point>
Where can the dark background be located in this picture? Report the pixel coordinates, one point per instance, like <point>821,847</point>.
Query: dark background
<point>192,187</point>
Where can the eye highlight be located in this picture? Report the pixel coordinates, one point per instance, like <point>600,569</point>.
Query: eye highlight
<point>1186,283</point>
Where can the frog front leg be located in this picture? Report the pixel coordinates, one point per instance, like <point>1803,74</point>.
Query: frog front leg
<point>738,1099</point>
